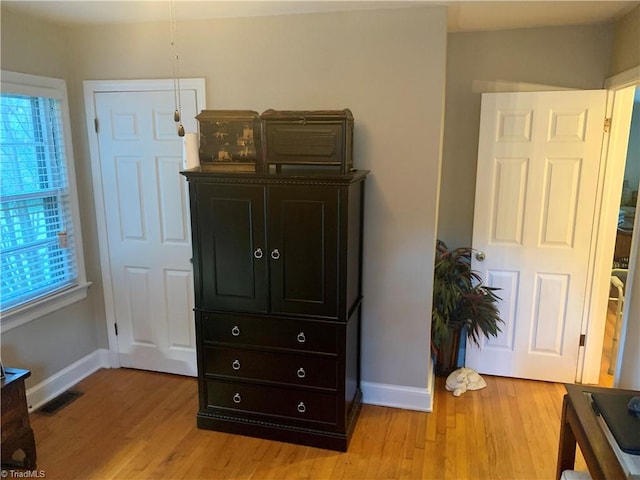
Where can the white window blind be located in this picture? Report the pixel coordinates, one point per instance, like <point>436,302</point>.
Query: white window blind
<point>37,243</point>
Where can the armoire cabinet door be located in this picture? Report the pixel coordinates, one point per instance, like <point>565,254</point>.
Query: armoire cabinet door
<point>303,236</point>
<point>232,249</point>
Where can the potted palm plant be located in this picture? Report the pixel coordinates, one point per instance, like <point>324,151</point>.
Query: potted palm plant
<point>461,303</point>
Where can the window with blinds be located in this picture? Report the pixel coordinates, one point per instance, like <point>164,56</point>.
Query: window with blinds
<point>37,248</point>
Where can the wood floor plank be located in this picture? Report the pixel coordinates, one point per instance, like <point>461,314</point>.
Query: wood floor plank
<point>132,424</point>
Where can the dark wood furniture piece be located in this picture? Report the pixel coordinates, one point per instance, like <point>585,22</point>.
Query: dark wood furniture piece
<point>622,250</point>
<point>579,425</point>
<point>277,273</point>
<point>16,429</point>
<point>311,137</point>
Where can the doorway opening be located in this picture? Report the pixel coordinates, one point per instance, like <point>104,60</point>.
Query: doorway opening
<point>622,251</point>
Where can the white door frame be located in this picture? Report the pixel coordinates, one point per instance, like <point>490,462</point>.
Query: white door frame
<point>589,368</point>
<point>568,356</point>
<point>92,87</point>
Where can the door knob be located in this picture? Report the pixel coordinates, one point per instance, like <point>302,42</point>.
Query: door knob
<point>480,256</point>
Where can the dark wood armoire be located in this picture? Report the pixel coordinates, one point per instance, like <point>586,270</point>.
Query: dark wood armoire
<point>277,263</point>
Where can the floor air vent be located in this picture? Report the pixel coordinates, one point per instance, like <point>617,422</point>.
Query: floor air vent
<point>58,403</point>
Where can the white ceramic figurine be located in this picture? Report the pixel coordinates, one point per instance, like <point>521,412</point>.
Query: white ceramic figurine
<point>463,379</point>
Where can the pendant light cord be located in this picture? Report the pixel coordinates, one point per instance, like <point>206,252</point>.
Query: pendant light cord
<point>177,115</point>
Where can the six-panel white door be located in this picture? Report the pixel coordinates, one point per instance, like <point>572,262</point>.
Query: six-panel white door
<point>147,225</point>
<point>537,175</point>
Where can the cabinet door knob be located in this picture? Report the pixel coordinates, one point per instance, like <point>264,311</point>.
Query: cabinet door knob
<point>237,398</point>
<point>301,373</point>
<point>302,407</point>
<point>236,365</point>
<point>275,254</point>
<point>258,253</point>
<point>235,331</point>
<point>301,337</point>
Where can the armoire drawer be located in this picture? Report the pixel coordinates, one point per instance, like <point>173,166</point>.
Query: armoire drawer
<point>292,369</point>
<point>277,332</point>
<point>273,401</point>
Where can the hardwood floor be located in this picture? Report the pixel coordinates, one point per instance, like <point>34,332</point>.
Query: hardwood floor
<point>132,424</point>
<point>606,379</point>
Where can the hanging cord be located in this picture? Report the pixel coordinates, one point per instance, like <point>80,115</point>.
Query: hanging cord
<point>177,114</point>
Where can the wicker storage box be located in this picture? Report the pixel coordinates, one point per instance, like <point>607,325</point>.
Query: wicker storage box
<point>319,137</point>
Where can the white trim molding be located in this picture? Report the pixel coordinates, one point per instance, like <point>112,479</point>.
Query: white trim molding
<point>498,86</point>
<point>397,396</point>
<point>66,378</point>
<point>91,88</point>
<point>401,396</point>
<point>614,151</point>
<point>36,85</point>
<point>623,79</point>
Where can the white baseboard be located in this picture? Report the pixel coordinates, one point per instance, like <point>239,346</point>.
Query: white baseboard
<point>66,378</point>
<point>398,396</point>
<point>395,396</point>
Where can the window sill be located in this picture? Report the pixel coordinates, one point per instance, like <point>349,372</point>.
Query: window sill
<point>21,315</point>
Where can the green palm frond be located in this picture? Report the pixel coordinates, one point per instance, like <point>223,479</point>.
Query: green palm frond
<point>460,299</point>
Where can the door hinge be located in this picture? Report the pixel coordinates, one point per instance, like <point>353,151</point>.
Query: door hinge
<point>583,337</point>
<point>607,125</point>
<point>115,325</point>
<point>95,124</point>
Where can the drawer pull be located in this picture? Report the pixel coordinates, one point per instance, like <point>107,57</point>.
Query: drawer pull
<point>236,365</point>
<point>235,331</point>
<point>275,254</point>
<point>302,407</point>
<point>301,337</point>
<point>301,373</point>
<point>258,253</point>
<point>237,398</point>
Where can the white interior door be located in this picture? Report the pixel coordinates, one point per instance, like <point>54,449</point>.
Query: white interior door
<point>537,178</point>
<point>146,220</point>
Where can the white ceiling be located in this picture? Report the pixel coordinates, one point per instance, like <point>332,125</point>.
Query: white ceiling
<point>462,15</point>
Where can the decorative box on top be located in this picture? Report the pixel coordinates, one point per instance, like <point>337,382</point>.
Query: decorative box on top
<point>230,140</point>
<point>308,137</point>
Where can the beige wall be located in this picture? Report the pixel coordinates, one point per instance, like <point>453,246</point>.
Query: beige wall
<point>387,66</point>
<point>31,46</point>
<point>47,345</point>
<point>626,43</point>
<point>576,57</point>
